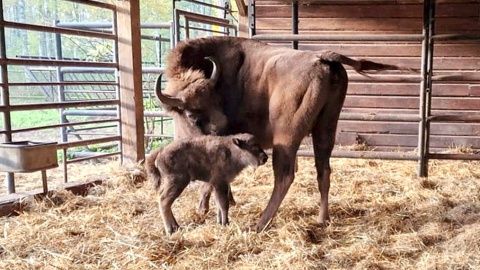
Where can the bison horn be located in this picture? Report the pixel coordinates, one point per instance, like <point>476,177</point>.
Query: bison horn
<point>165,99</point>
<point>215,73</point>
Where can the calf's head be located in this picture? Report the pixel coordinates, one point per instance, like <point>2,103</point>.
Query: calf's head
<point>191,100</point>
<point>251,153</point>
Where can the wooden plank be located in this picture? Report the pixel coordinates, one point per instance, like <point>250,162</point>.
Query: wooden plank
<point>341,11</point>
<point>404,50</point>
<point>378,127</point>
<point>365,24</point>
<point>316,10</point>
<point>474,90</point>
<point>340,24</point>
<point>243,26</point>
<point>449,129</point>
<point>242,7</point>
<point>130,79</point>
<point>411,140</point>
<point>456,103</point>
<point>395,89</point>
<point>381,102</point>
<point>439,103</point>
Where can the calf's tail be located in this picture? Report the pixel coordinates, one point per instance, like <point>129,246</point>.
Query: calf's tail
<point>361,66</point>
<point>152,170</point>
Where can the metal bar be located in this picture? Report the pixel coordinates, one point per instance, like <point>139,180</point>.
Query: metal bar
<point>287,37</point>
<point>88,142</point>
<point>60,88</point>
<point>364,154</point>
<point>206,4</point>
<point>455,156</point>
<point>197,16</point>
<point>64,83</point>
<point>295,23</point>
<point>88,70</point>
<point>64,125</point>
<point>62,63</point>
<point>117,88</point>
<point>112,113</point>
<point>104,25</point>
<point>94,157</point>
<point>177,25</point>
<point>452,37</point>
<point>423,89</point>
<point>58,30</point>
<point>44,181</point>
<point>56,105</point>
<point>209,30</point>
<point>64,165</point>
<point>431,32</point>
<point>95,4</point>
<point>77,133</point>
<point>251,19</point>
<point>187,28</point>
<point>10,177</point>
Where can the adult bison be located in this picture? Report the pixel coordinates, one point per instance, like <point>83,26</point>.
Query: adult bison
<point>225,85</point>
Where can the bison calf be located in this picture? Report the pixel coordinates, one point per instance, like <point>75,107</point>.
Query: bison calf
<point>213,159</point>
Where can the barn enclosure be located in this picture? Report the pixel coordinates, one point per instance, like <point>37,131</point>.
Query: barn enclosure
<point>432,115</point>
<point>78,94</point>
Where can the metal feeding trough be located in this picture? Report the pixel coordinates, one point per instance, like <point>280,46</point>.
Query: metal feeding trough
<point>28,156</point>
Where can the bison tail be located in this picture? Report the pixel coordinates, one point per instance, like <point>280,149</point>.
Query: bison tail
<point>152,170</point>
<point>361,66</point>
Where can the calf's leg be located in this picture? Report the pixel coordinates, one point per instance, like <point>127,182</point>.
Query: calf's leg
<point>172,188</point>
<point>221,198</point>
<point>205,193</point>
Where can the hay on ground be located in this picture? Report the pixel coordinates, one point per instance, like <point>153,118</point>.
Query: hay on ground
<point>383,217</point>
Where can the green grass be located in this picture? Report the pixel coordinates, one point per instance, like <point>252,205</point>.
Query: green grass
<point>26,119</point>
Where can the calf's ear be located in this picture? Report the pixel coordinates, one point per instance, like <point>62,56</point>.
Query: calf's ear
<point>238,142</point>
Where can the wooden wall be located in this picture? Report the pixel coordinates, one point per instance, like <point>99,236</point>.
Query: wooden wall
<point>392,17</point>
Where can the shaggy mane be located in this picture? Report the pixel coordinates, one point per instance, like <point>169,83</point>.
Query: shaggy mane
<point>190,54</point>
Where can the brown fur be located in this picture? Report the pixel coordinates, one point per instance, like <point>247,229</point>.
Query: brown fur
<point>212,159</point>
<point>278,94</point>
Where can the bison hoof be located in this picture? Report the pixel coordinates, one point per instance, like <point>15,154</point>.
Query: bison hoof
<point>323,220</point>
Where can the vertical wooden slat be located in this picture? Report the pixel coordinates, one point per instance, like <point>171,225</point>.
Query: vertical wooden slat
<point>130,79</point>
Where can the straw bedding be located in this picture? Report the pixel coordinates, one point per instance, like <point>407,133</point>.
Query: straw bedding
<point>383,217</point>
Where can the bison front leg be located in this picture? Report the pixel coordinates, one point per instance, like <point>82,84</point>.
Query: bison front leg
<point>205,193</point>
<point>283,169</point>
<point>221,198</point>
<point>170,191</point>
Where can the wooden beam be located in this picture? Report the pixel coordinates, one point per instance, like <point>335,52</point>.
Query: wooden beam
<point>130,79</point>
<point>242,7</point>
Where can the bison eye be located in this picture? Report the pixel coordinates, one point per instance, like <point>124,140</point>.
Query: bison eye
<point>194,118</point>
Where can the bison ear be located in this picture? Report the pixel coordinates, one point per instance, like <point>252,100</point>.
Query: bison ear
<point>238,142</point>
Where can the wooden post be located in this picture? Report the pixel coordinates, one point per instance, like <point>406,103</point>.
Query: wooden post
<point>130,79</point>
